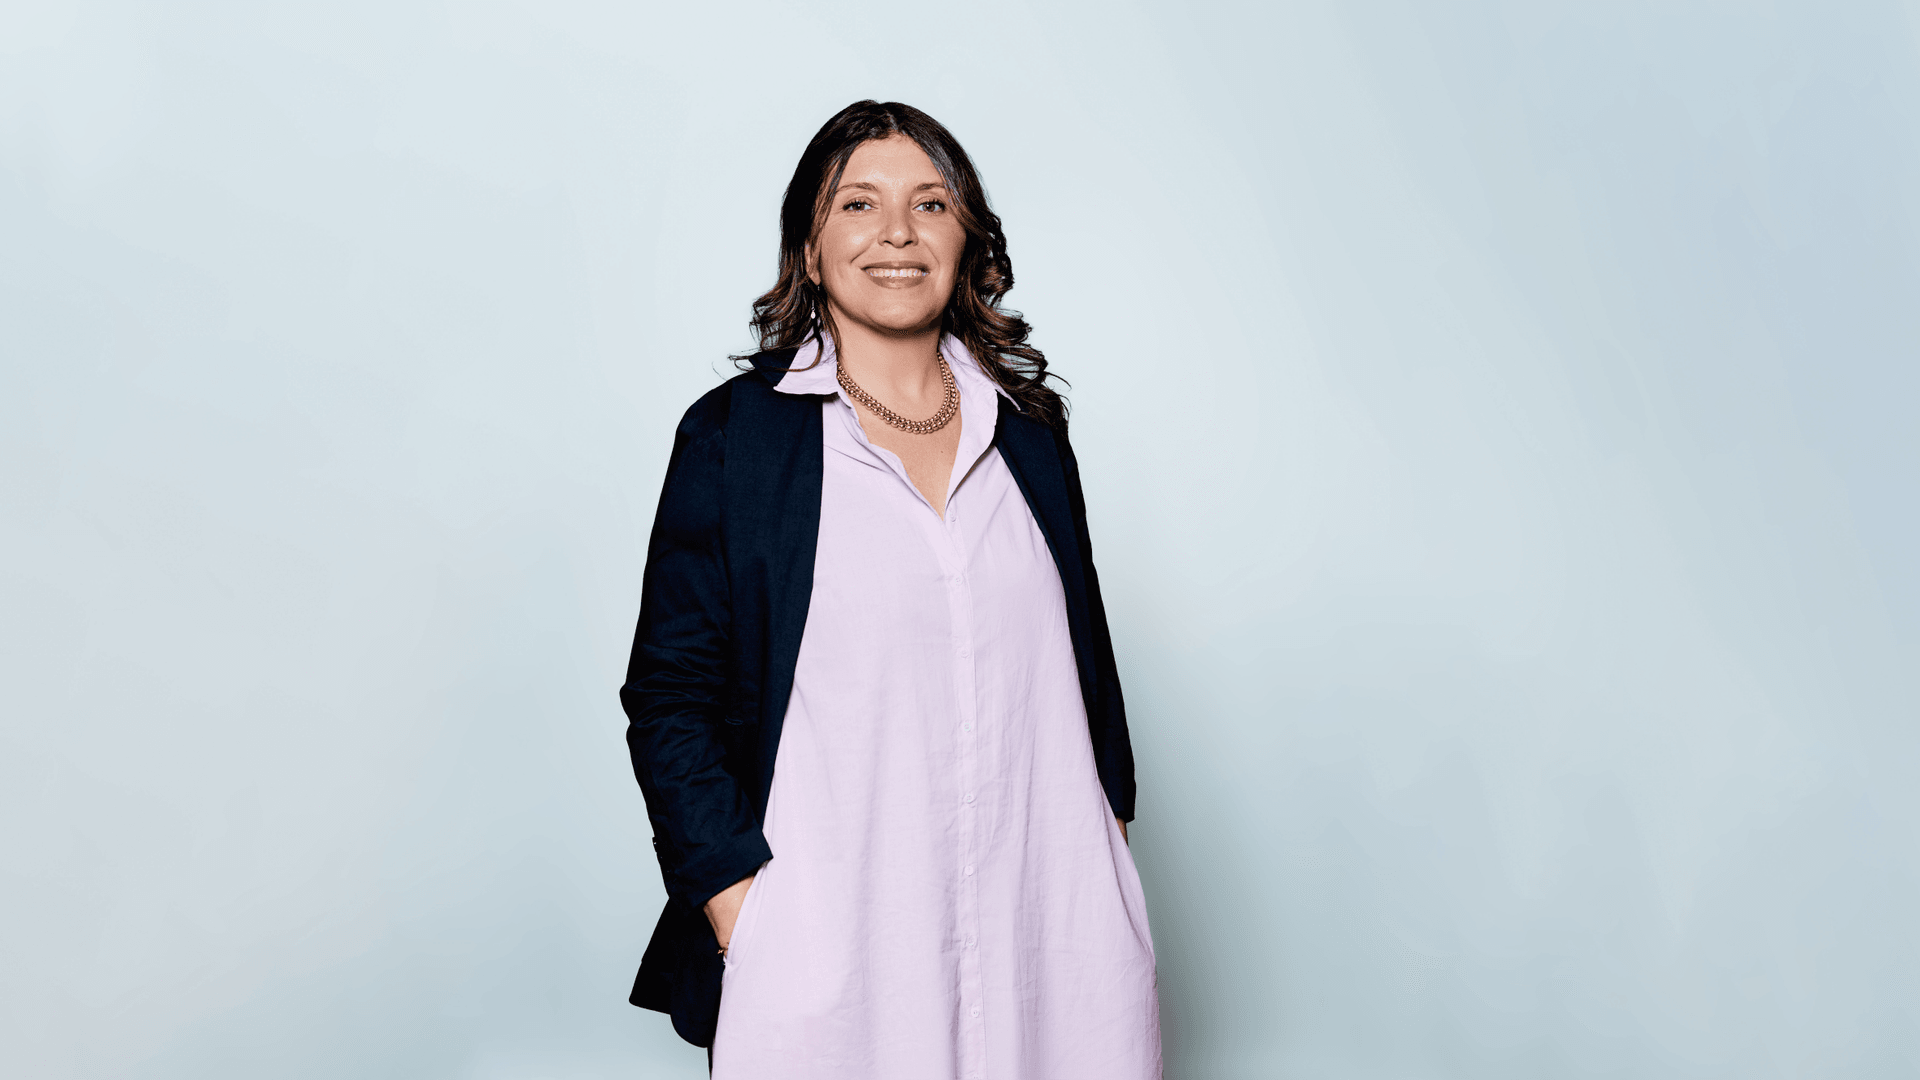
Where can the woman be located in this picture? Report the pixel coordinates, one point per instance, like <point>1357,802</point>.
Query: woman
<point>870,566</point>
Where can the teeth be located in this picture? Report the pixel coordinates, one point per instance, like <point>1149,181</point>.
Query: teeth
<point>882,272</point>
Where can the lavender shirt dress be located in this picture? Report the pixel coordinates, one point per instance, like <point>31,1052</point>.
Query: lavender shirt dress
<point>949,897</point>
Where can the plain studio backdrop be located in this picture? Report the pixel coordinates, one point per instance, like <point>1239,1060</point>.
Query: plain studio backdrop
<point>1498,428</point>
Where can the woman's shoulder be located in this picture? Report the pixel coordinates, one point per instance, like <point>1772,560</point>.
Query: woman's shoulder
<point>710,415</point>
<point>1037,430</point>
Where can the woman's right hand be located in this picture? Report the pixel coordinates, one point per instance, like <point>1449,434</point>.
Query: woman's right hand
<point>724,910</point>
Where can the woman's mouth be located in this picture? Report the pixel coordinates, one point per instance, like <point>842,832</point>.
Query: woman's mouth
<point>896,277</point>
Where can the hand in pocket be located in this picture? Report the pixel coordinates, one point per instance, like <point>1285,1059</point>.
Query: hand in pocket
<point>723,911</point>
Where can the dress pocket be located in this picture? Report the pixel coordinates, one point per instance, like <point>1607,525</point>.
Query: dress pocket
<point>1133,898</point>
<point>749,915</point>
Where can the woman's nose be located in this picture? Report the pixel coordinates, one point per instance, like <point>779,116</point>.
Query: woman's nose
<point>899,228</point>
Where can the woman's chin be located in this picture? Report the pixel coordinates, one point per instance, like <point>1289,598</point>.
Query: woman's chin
<point>896,323</point>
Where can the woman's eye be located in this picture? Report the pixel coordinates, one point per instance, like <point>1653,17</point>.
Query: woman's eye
<point>936,205</point>
<point>858,204</point>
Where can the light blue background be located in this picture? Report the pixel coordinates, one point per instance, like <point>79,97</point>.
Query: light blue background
<point>1498,423</point>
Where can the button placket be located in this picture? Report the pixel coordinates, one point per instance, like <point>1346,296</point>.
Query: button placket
<point>972,1048</point>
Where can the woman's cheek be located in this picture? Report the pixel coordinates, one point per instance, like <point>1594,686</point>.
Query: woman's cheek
<point>853,242</point>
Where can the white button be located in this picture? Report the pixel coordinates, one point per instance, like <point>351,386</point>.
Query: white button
<point>966,727</point>
<point>976,1010</point>
<point>969,798</point>
<point>963,652</point>
<point>969,943</point>
<point>969,869</point>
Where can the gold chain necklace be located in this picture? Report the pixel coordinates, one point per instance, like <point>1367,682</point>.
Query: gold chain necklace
<point>948,407</point>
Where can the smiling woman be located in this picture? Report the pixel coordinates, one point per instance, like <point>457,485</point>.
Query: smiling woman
<point>871,565</point>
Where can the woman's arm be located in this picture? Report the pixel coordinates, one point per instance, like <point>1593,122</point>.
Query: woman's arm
<point>724,910</point>
<point>1107,712</point>
<point>703,825</point>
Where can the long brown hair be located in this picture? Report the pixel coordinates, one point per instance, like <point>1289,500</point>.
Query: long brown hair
<point>794,311</point>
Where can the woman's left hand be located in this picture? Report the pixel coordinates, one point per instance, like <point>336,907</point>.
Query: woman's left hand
<point>1123,832</point>
<point>724,910</point>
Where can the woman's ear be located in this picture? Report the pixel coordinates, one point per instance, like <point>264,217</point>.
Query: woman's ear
<point>813,266</point>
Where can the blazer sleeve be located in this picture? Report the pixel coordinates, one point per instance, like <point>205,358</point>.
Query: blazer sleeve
<point>1107,714</point>
<point>704,831</point>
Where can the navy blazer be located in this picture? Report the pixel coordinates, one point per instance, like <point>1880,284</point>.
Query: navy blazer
<point>722,606</point>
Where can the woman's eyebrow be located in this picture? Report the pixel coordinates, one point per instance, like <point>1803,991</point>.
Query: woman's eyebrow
<point>865,186</point>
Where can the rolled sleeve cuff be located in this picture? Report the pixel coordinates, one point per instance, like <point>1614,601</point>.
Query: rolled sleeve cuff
<point>718,866</point>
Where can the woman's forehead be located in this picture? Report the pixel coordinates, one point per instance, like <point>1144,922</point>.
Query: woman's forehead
<point>894,161</point>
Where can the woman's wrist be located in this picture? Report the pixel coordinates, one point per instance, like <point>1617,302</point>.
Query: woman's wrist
<point>723,910</point>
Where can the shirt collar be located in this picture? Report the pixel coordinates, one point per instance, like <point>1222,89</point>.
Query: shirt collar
<point>815,370</point>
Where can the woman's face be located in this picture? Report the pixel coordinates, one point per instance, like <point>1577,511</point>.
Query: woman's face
<point>891,245</point>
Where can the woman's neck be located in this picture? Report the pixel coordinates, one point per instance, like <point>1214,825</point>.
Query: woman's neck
<point>899,369</point>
